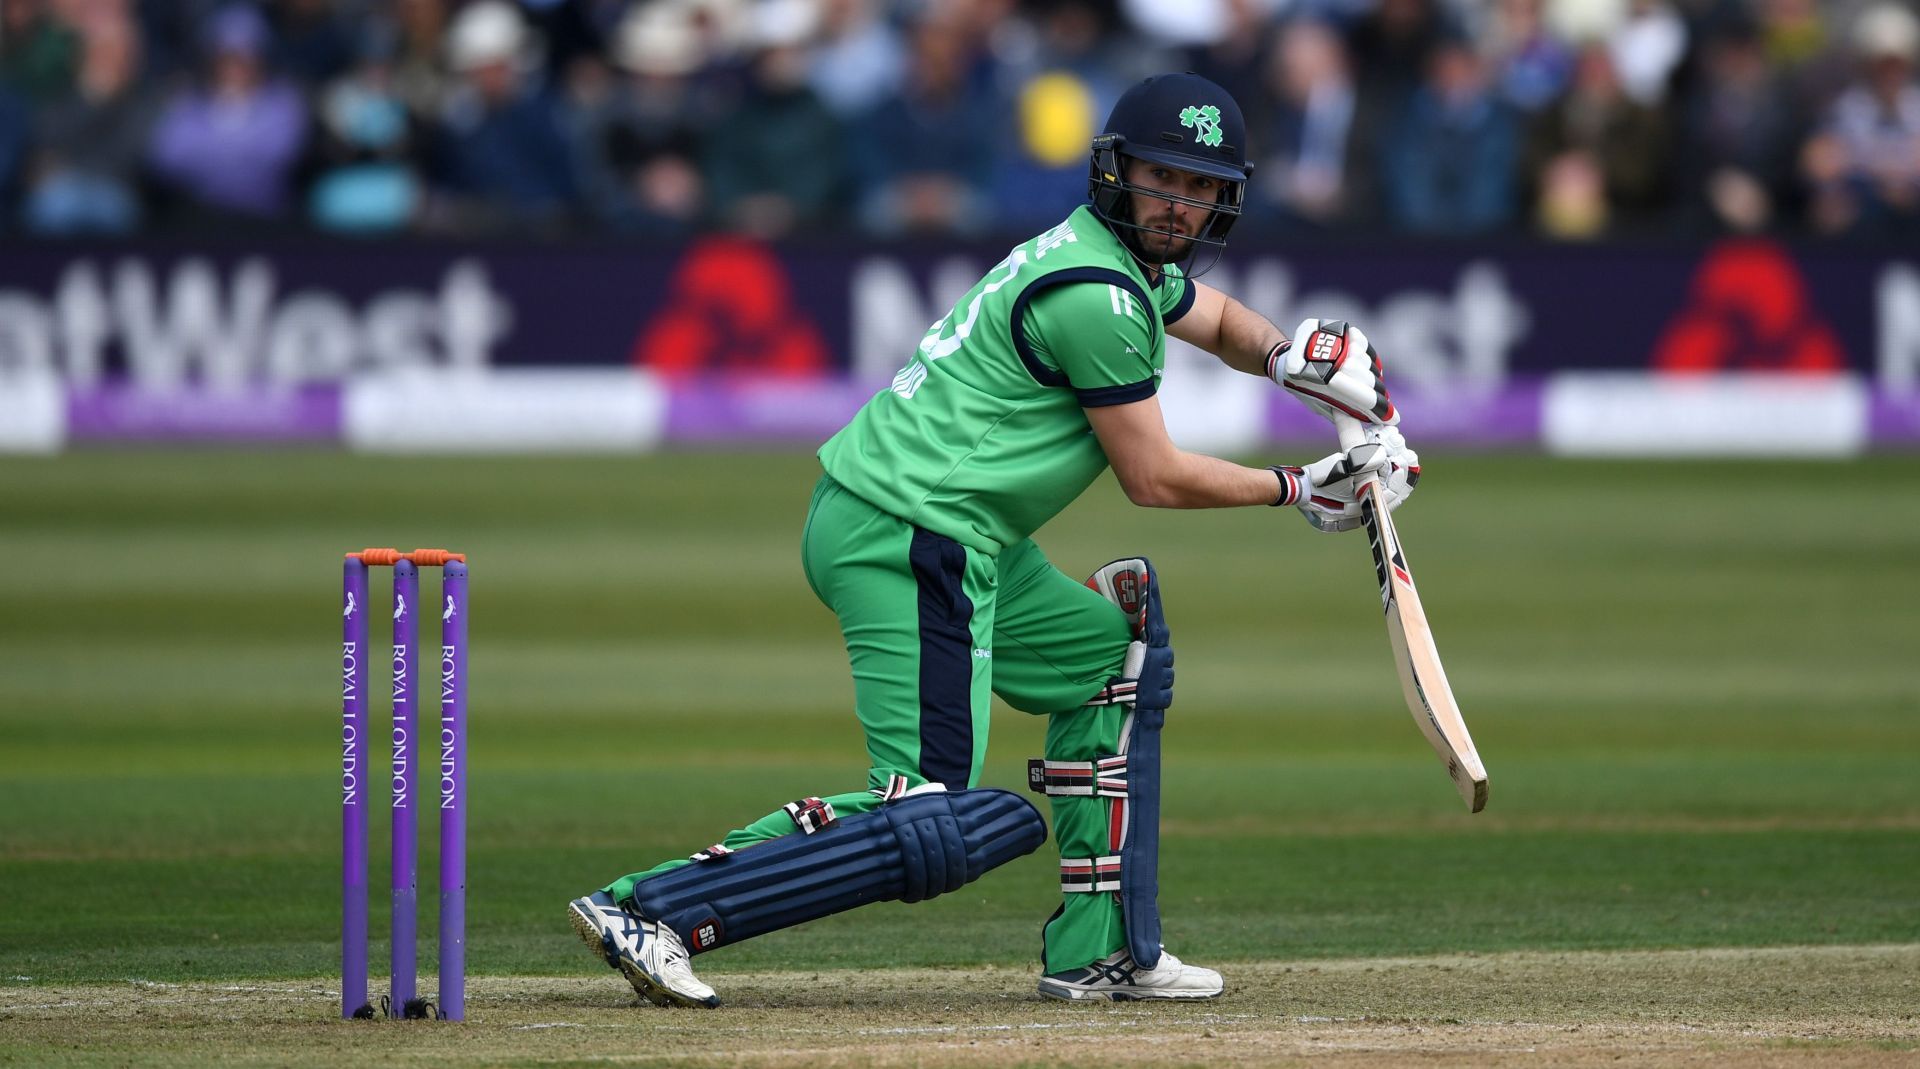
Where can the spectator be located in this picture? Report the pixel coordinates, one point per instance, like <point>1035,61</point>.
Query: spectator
<point>502,160</point>
<point>1080,37</point>
<point>1598,155</point>
<point>1183,24</point>
<point>369,179</point>
<point>1646,48</point>
<point>586,97</point>
<point>1061,81</point>
<point>1236,60</point>
<point>1531,65</point>
<point>647,147</point>
<point>1794,31</point>
<point>39,52</point>
<point>316,42</point>
<point>1393,48</point>
<point>14,123</point>
<point>950,117</point>
<point>419,64</point>
<point>228,147</point>
<point>1449,160</point>
<point>925,156</point>
<point>1042,175</point>
<point>1799,45</point>
<point>1310,174</point>
<point>575,31</point>
<point>170,38</point>
<point>1739,135</point>
<point>1864,167</point>
<point>91,143</point>
<point>779,165</point>
<point>859,59</point>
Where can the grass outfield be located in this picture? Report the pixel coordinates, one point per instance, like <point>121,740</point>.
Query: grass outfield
<point>1695,687</point>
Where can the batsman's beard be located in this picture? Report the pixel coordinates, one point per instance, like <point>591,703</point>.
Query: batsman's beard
<point>1160,244</point>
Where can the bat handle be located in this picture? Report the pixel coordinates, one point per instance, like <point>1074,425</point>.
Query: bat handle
<point>1350,431</point>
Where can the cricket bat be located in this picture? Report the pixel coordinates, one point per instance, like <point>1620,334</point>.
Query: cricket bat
<point>1422,679</point>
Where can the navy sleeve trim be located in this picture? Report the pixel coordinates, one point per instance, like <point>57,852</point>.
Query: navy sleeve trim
<point>1184,304</point>
<point>1103,396</point>
<point>1041,373</point>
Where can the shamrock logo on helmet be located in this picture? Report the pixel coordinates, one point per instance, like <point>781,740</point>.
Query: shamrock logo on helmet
<point>1205,121</point>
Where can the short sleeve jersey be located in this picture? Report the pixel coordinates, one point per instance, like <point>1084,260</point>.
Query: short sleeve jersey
<point>983,436</point>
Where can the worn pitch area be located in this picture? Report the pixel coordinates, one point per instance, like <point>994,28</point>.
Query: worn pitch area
<point>1752,1007</point>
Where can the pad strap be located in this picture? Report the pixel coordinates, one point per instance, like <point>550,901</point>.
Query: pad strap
<point>715,852</point>
<point>1089,875</point>
<point>1118,692</point>
<point>1124,689</point>
<point>810,814</point>
<point>1105,778</point>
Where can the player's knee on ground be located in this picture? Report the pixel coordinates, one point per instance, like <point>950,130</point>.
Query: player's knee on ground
<point>915,848</point>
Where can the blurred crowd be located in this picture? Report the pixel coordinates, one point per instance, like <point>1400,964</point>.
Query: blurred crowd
<point>1571,119</point>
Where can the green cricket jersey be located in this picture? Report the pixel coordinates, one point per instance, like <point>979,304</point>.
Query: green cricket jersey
<point>982,436</point>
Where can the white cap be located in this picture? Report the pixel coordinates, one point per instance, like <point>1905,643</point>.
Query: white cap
<point>659,38</point>
<point>780,23</point>
<point>490,31</point>
<point>1887,29</point>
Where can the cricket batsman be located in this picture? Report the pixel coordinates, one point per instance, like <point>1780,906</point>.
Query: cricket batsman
<point>919,539</point>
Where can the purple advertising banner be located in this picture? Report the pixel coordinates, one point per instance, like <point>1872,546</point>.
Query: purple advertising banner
<point>302,313</point>
<point>744,411</point>
<point>1508,414</point>
<point>1574,412</point>
<point>1894,418</point>
<point>118,412</point>
<point>729,410</point>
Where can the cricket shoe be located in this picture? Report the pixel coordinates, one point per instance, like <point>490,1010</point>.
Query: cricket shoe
<point>649,955</point>
<point>1116,978</point>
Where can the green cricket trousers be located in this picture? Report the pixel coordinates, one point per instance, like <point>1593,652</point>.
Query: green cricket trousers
<point>933,629</point>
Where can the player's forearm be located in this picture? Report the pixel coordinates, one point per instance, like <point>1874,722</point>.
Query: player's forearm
<point>1156,473</point>
<point>1246,337</point>
<point>1197,481</point>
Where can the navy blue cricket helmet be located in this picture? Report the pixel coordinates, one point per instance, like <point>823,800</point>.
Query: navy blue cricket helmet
<point>1182,121</point>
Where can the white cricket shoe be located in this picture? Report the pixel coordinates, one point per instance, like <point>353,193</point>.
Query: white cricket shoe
<point>649,955</point>
<point>1115,978</point>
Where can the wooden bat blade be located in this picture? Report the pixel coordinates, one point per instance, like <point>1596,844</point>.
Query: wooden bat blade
<point>1430,698</point>
<point>1422,680</point>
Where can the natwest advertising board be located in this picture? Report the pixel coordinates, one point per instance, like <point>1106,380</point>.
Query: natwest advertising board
<point>157,342</point>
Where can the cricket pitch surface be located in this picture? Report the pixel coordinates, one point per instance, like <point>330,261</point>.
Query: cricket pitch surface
<point>1792,1006</point>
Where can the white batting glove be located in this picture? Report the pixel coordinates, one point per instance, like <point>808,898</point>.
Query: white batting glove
<point>1327,491</point>
<point>1332,367</point>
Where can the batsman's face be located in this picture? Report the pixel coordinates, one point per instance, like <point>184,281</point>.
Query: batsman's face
<point>1170,226</point>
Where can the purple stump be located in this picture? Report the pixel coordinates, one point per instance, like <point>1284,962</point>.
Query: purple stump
<point>453,792</point>
<point>406,859</point>
<point>353,784</point>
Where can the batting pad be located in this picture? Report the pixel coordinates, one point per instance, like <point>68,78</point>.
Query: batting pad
<point>1140,853</point>
<point>913,849</point>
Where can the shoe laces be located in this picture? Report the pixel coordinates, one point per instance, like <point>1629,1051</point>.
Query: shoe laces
<point>674,957</point>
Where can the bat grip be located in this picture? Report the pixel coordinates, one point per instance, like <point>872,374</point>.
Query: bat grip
<point>1350,431</point>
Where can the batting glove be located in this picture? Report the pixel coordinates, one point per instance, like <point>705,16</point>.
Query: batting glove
<point>1330,365</point>
<point>1327,491</point>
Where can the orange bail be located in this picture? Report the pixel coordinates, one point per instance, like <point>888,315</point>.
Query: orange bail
<point>424,558</point>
